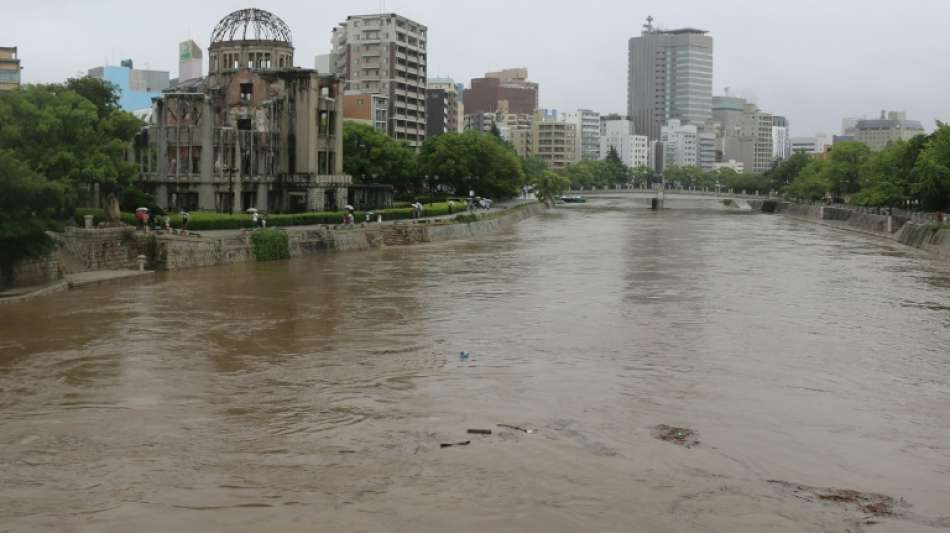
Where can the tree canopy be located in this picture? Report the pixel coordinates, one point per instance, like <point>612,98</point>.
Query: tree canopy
<point>914,172</point>
<point>28,202</point>
<point>371,156</point>
<point>62,135</point>
<point>471,161</point>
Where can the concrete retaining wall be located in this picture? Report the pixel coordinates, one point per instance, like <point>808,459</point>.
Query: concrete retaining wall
<point>173,252</point>
<point>922,236</point>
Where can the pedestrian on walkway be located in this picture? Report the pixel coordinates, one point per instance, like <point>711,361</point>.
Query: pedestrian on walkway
<point>184,218</point>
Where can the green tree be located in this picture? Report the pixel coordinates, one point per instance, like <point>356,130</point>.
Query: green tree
<point>685,176</point>
<point>587,174</point>
<point>474,161</point>
<point>59,134</point>
<point>747,182</point>
<point>882,181</point>
<point>933,169</point>
<point>811,183</point>
<point>643,176</point>
<point>617,172</point>
<point>103,94</point>
<point>27,205</point>
<point>550,185</point>
<point>373,157</point>
<point>786,171</point>
<point>533,168</point>
<point>843,172</point>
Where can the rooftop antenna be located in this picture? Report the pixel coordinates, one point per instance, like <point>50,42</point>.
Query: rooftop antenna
<point>648,27</point>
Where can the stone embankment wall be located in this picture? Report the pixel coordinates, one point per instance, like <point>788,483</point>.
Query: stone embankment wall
<point>173,252</point>
<point>898,228</point>
<point>83,250</point>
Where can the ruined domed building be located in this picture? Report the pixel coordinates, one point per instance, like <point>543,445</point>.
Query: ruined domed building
<point>255,133</point>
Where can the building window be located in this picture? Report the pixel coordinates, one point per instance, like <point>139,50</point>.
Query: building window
<point>247,92</point>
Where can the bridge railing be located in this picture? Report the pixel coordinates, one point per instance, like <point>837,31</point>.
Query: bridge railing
<point>692,191</point>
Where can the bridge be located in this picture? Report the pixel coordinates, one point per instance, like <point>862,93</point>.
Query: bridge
<point>681,198</point>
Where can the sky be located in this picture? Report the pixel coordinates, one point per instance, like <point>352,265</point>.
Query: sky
<point>813,61</point>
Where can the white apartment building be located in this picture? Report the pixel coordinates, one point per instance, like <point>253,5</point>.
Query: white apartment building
<point>632,149</point>
<point>386,54</point>
<point>587,123</point>
<point>680,144</point>
<point>810,145</point>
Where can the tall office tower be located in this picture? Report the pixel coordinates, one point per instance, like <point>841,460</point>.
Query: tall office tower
<point>670,76</point>
<point>385,54</point>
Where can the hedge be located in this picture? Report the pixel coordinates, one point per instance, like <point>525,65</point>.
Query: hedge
<point>270,245</point>
<point>206,221</point>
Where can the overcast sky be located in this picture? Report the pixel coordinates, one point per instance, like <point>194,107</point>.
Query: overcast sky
<point>814,61</point>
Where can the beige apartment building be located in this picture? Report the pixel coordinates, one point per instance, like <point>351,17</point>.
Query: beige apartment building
<point>9,68</point>
<point>555,143</point>
<point>385,54</point>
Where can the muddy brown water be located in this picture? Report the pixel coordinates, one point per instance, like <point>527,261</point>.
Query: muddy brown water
<point>315,394</point>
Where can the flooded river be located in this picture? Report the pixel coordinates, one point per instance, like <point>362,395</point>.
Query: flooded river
<point>315,394</point>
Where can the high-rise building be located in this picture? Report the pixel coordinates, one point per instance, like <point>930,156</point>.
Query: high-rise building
<point>9,68</point>
<point>189,61</point>
<point>453,104</point>
<point>746,133</point>
<point>136,87</point>
<point>680,144</point>
<point>508,89</point>
<point>633,149</point>
<point>781,144</point>
<point>670,76</point>
<point>708,150</point>
<point>892,126</point>
<point>587,123</point>
<point>553,142</point>
<point>386,54</point>
<point>437,112</point>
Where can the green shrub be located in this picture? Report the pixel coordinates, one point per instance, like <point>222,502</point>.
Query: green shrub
<point>467,218</point>
<point>270,245</point>
<point>99,215</point>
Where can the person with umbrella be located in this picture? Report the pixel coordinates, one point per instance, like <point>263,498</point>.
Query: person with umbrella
<point>255,218</point>
<point>141,214</point>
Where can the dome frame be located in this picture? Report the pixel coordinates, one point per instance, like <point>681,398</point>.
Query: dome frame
<point>262,26</point>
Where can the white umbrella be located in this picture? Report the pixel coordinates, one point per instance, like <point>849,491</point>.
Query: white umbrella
<point>350,207</point>
<point>141,209</point>
<point>251,210</point>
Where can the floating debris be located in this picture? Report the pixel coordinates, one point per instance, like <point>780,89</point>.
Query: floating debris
<point>866,502</point>
<point>680,436</point>
<point>465,443</point>
<point>479,432</point>
<point>516,428</point>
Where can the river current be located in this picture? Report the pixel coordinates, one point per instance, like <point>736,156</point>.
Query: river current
<point>316,394</point>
